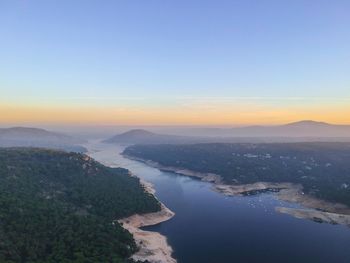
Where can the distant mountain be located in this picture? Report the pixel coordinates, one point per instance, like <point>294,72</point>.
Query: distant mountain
<point>305,128</point>
<point>139,136</point>
<point>302,131</point>
<point>34,137</point>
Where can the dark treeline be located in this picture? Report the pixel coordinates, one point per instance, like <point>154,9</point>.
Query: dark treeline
<point>322,168</point>
<point>62,207</point>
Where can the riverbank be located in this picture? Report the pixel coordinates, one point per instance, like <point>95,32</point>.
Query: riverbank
<point>315,209</point>
<point>287,192</point>
<point>207,177</point>
<point>317,216</point>
<point>153,246</point>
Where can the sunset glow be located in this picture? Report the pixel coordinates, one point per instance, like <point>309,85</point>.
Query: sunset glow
<point>235,113</point>
<point>184,62</point>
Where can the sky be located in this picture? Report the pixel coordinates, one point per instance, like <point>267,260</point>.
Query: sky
<point>174,62</point>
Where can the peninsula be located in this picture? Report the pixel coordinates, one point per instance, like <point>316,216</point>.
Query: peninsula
<point>315,175</point>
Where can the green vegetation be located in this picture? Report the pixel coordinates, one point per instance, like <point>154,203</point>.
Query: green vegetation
<point>322,168</point>
<point>61,207</point>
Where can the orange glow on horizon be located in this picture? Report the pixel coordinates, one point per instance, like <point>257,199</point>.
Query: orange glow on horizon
<point>191,115</point>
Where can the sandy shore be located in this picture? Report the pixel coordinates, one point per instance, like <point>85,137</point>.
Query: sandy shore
<point>241,189</point>
<point>318,216</point>
<point>153,246</point>
<point>296,195</point>
<point>316,209</point>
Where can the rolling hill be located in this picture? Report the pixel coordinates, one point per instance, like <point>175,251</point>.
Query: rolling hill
<point>34,137</point>
<point>139,136</point>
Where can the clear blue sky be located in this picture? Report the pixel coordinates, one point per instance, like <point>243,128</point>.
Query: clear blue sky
<point>97,50</point>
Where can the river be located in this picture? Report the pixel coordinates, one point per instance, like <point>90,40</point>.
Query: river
<point>212,228</point>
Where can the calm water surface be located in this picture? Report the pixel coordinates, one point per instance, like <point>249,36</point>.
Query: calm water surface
<point>212,228</point>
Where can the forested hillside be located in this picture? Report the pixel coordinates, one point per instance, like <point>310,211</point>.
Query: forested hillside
<point>62,207</point>
<point>322,168</point>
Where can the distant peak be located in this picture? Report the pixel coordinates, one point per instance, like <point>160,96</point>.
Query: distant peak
<point>307,122</point>
<point>24,130</point>
<point>138,132</point>
<point>131,135</point>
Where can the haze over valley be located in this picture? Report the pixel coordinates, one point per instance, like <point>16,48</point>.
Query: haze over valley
<point>188,131</point>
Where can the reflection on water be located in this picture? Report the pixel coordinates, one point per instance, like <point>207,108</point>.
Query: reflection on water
<point>212,228</point>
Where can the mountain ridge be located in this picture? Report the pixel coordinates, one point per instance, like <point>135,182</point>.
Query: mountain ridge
<point>304,130</point>
<point>37,137</point>
<point>307,128</point>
